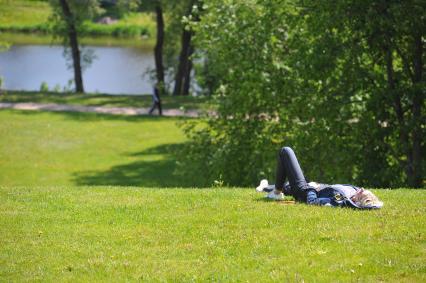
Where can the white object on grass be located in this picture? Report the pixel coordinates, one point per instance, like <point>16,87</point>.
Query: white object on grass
<point>265,187</point>
<point>263,184</point>
<point>274,196</point>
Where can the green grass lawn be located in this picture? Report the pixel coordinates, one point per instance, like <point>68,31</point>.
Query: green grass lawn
<point>55,149</point>
<point>87,197</point>
<point>169,102</point>
<point>23,13</point>
<point>69,233</point>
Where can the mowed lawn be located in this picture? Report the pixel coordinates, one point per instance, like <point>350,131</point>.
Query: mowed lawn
<point>87,197</point>
<point>39,149</point>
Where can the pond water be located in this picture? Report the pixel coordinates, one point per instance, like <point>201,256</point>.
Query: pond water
<point>115,70</point>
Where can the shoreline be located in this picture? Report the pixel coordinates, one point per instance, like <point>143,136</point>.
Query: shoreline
<point>46,39</point>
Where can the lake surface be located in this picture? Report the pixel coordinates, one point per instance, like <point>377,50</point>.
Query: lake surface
<point>115,70</point>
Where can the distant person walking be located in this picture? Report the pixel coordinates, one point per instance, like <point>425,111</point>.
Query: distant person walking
<point>156,101</point>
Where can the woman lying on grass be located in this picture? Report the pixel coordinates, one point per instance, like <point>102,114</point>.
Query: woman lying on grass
<point>312,192</point>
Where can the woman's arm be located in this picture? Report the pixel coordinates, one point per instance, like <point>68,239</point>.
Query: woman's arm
<point>312,198</point>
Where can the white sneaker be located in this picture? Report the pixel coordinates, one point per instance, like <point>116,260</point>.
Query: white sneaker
<point>265,187</point>
<point>272,195</point>
<point>263,184</point>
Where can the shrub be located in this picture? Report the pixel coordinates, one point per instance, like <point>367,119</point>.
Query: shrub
<point>310,79</point>
<point>44,87</point>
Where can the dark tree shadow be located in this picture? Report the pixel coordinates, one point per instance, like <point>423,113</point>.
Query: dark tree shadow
<point>88,117</point>
<point>159,173</point>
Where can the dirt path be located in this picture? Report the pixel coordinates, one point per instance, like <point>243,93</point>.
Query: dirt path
<point>132,111</point>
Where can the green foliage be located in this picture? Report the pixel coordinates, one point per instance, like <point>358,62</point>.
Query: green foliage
<point>88,29</point>
<point>298,73</point>
<point>118,30</point>
<point>81,12</point>
<point>1,86</point>
<point>46,39</point>
<point>44,87</point>
<point>4,46</point>
<point>123,7</point>
<point>31,28</point>
<point>175,11</point>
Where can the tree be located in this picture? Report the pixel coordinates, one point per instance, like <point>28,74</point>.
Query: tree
<point>183,73</point>
<point>69,16</point>
<point>341,82</point>
<point>158,50</point>
<point>387,41</point>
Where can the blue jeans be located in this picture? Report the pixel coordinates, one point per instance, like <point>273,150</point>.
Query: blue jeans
<point>288,167</point>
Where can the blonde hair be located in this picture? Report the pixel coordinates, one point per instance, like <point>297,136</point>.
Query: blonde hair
<point>365,198</point>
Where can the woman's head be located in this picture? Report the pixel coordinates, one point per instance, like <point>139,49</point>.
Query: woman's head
<point>366,199</point>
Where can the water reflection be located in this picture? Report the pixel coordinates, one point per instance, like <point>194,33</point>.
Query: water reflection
<point>116,70</point>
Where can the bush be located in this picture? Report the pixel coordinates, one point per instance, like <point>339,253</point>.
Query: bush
<point>89,29</point>
<point>44,87</point>
<point>304,78</point>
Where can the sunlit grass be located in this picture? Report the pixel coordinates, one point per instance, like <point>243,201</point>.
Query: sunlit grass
<point>24,16</point>
<point>50,149</point>
<point>23,12</point>
<point>68,213</point>
<point>134,233</point>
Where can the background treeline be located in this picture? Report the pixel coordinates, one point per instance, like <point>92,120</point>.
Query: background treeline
<point>342,82</point>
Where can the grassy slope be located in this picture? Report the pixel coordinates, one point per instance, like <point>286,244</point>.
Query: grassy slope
<point>23,13</point>
<point>51,229</point>
<point>28,16</point>
<point>125,233</point>
<point>169,102</point>
<point>39,149</point>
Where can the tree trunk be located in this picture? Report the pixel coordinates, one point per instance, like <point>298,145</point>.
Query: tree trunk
<point>182,78</point>
<point>183,62</point>
<point>187,75</point>
<point>158,50</point>
<point>415,160</point>
<point>158,56</point>
<point>75,51</point>
<point>397,105</point>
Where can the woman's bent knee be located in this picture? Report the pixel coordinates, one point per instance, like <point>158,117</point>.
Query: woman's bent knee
<point>286,151</point>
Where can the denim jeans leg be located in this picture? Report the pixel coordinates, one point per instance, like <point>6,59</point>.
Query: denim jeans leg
<point>288,166</point>
<point>280,174</point>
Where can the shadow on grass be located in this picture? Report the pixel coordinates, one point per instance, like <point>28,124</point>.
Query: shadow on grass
<point>86,117</point>
<point>143,173</point>
<point>98,99</point>
<point>102,99</point>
